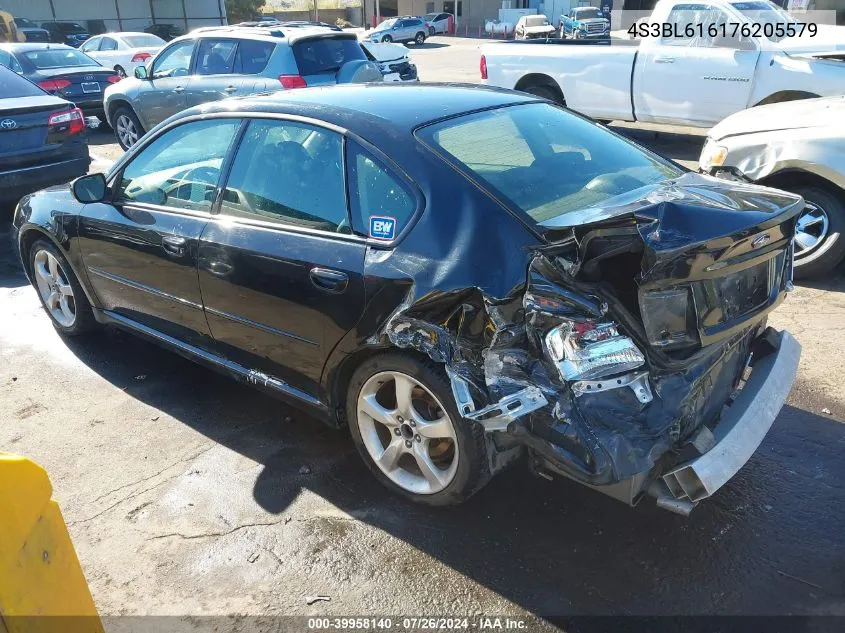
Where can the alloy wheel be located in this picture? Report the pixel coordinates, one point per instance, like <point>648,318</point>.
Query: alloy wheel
<point>54,288</point>
<point>811,230</point>
<point>127,131</point>
<point>407,432</point>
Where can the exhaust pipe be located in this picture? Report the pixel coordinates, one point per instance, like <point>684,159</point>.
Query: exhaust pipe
<point>665,500</point>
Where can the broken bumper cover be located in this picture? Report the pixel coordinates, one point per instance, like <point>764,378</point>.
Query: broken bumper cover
<point>743,425</point>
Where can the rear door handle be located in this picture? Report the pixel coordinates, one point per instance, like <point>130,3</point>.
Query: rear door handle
<point>174,244</point>
<point>179,89</point>
<point>230,89</point>
<point>664,60</point>
<point>329,280</point>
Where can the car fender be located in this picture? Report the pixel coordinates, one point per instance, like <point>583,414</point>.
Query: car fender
<point>780,72</point>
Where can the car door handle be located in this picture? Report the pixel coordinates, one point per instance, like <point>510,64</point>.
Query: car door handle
<point>664,60</point>
<point>179,89</point>
<point>230,89</point>
<point>174,245</point>
<point>329,280</point>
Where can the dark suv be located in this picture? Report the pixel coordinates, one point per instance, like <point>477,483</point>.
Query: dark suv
<point>70,33</point>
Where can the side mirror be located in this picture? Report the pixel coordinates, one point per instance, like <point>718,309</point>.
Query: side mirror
<point>90,188</point>
<point>140,72</point>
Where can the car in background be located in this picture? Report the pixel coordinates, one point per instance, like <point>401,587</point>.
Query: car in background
<point>31,31</point>
<point>215,63</point>
<point>584,23</point>
<point>796,146</point>
<point>70,33</point>
<point>531,27</point>
<point>606,317</point>
<point>392,59</point>
<point>62,71</point>
<point>400,30</point>
<point>165,31</point>
<point>42,138</point>
<point>306,23</point>
<point>438,22</point>
<point>123,51</point>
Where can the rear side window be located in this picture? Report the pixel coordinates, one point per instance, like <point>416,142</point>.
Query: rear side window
<point>325,55</point>
<point>251,57</point>
<point>375,195</point>
<point>13,85</point>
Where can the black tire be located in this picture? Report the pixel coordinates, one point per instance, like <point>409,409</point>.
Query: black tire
<point>387,39</point>
<point>431,31</point>
<point>84,321</point>
<point>126,111</point>
<point>473,470</point>
<point>419,38</point>
<point>827,255</point>
<point>542,91</point>
<point>120,71</point>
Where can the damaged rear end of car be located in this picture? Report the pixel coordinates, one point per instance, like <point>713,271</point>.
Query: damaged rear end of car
<point>635,356</point>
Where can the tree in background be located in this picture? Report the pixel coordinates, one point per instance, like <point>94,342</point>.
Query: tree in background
<point>243,10</point>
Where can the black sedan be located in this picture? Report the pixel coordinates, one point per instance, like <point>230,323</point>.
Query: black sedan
<point>42,138</point>
<point>62,71</point>
<point>461,275</point>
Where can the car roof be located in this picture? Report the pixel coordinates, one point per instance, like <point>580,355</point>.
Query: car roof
<point>121,33</point>
<point>378,112</point>
<point>269,34</point>
<point>23,47</point>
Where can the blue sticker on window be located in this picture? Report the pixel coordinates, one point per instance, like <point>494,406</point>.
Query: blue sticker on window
<point>382,227</point>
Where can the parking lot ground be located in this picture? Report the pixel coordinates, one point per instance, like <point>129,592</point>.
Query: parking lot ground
<point>187,493</point>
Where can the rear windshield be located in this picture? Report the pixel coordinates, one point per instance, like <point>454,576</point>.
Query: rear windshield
<point>325,55</point>
<point>58,58</point>
<point>13,85</point>
<point>545,161</point>
<point>143,41</point>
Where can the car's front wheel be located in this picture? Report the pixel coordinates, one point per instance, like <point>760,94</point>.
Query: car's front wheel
<point>127,127</point>
<point>819,243</point>
<point>419,39</point>
<point>59,290</point>
<point>404,423</point>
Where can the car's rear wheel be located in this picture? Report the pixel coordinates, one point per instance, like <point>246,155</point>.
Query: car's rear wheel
<point>819,244</point>
<point>127,127</point>
<point>120,71</point>
<point>431,30</point>
<point>420,38</point>
<point>59,290</point>
<point>542,91</point>
<point>387,39</point>
<point>405,425</point>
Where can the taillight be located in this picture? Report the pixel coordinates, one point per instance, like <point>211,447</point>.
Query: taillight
<point>53,85</point>
<point>292,81</point>
<point>140,57</point>
<point>113,79</point>
<point>70,121</point>
<point>483,67</point>
<point>588,350</point>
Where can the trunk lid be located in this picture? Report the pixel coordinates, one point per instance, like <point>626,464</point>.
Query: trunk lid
<point>85,82</point>
<point>27,131</point>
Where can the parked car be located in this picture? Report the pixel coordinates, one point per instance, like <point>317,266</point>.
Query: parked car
<point>533,26</point>
<point>165,31</point>
<point>42,138</point>
<point>216,63</point>
<point>799,147</point>
<point>605,308</point>
<point>123,51</point>
<point>400,30</point>
<point>392,59</point>
<point>694,81</point>
<point>62,71</point>
<point>438,22</point>
<point>31,31</point>
<point>70,33</point>
<point>584,23</point>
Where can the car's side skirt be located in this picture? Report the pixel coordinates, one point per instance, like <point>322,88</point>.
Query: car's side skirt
<point>265,382</point>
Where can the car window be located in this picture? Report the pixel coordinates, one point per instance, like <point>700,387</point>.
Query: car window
<point>290,173</point>
<point>325,54</point>
<point>216,57</point>
<point>181,167</point>
<point>91,45</point>
<point>109,44</point>
<point>546,161</point>
<point>175,61</point>
<point>375,194</point>
<point>686,21</point>
<point>13,86</point>
<point>58,58</point>
<point>252,56</point>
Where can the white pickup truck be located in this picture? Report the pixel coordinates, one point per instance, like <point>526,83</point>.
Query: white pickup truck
<point>680,80</point>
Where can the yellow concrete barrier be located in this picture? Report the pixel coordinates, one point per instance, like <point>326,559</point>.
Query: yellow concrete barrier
<point>42,588</point>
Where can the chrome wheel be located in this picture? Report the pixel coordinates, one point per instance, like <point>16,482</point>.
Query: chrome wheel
<point>53,286</point>
<point>126,130</point>
<point>407,433</point>
<point>811,230</point>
